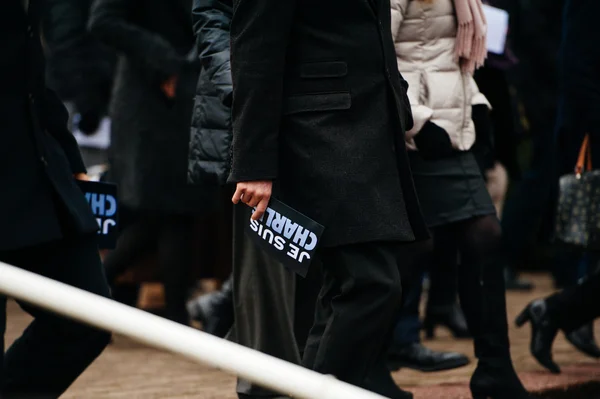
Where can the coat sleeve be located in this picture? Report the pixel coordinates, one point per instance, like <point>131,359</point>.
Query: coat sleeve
<point>110,21</point>
<point>54,118</point>
<point>212,20</point>
<point>260,32</point>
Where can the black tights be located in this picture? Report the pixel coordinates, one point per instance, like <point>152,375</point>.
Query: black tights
<point>169,236</point>
<point>480,278</point>
<point>473,241</point>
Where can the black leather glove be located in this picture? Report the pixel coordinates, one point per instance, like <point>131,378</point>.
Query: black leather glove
<point>433,142</point>
<point>484,137</point>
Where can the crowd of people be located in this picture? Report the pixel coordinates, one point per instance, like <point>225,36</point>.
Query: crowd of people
<point>386,121</point>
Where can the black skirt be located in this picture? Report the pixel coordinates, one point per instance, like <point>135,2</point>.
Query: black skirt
<point>450,189</point>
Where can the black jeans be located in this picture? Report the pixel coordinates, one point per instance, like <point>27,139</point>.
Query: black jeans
<point>53,351</point>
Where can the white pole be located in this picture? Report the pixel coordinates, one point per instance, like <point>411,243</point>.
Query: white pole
<point>107,314</point>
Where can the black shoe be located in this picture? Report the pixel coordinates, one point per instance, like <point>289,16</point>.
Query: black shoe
<point>496,379</point>
<point>514,283</point>
<point>583,339</point>
<point>450,317</point>
<point>380,381</point>
<point>214,310</point>
<point>543,332</point>
<point>418,357</point>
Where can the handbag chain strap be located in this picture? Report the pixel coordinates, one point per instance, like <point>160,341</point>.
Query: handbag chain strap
<point>584,160</point>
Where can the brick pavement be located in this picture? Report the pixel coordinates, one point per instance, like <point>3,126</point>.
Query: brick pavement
<point>127,370</point>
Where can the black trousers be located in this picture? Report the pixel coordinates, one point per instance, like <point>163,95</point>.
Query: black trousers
<point>576,305</point>
<point>356,309</point>
<point>53,351</point>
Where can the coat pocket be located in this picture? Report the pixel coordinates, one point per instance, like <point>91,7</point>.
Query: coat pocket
<point>317,102</point>
<point>330,69</point>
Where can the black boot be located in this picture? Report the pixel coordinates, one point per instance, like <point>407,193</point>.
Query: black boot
<point>418,357</point>
<point>583,339</point>
<point>450,317</point>
<point>482,297</point>
<point>214,310</point>
<point>543,332</point>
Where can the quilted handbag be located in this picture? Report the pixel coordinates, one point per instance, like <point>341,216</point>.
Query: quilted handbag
<point>578,213</point>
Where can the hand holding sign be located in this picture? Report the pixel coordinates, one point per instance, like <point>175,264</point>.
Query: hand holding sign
<point>255,194</point>
<point>287,235</point>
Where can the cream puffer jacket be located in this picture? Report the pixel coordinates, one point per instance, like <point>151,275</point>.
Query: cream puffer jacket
<point>424,35</point>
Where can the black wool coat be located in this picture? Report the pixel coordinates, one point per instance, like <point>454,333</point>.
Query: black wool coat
<point>210,136</point>
<point>320,107</point>
<point>39,198</point>
<point>150,133</point>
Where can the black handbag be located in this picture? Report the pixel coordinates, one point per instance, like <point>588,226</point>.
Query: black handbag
<point>578,213</point>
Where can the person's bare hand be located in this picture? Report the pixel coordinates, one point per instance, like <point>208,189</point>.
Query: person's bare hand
<point>255,194</point>
<point>81,176</point>
<point>169,87</point>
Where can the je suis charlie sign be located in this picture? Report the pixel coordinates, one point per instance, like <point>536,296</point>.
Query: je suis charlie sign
<point>102,198</point>
<point>287,235</point>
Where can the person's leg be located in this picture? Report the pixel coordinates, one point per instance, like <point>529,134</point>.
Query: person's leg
<point>407,351</point>
<point>54,351</point>
<point>360,298</point>
<point>175,260</point>
<point>442,306</point>
<point>576,305</point>
<point>263,303</point>
<point>482,297</point>
<point>408,326</point>
<point>136,240</point>
<point>214,310</point>
<point>307,293</point>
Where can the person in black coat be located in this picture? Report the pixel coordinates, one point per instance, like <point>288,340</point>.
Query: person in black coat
<point>150,114</point>
<point>319,114</point>
<point>579,102</point>
<point>47,225</point>
<point>249,319</point>
<point>79,68</point>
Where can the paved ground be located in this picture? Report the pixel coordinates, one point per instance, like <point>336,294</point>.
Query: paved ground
<point>130,370</point>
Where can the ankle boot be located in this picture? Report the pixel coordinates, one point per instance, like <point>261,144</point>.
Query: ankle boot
<point>450,317</point>
<point>543,333</point>
<point>482,297</point>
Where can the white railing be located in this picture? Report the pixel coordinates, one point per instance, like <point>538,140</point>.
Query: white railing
<point>262,369</point>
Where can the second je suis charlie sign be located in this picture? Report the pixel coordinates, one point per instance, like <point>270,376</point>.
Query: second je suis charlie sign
<point>102,198</point>
<point>287,235</point>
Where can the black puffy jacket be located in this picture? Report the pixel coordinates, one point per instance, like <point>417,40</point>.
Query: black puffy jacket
<point>210,136</point>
